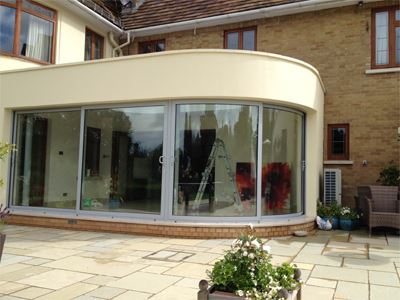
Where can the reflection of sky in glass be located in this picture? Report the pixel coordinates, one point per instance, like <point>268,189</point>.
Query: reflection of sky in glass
<point>7,23</point>
<point>147,124</point>
<point>226,115</point>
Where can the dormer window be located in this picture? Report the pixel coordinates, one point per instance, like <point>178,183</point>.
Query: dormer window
<point>27,29</point>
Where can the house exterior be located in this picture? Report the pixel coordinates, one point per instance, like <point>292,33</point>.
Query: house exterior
<point>192,118</point>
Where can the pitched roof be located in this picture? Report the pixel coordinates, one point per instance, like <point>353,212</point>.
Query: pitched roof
<point>159,12</point>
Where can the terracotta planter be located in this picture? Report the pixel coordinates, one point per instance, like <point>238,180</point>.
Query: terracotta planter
<point>2,241</point>
<point>206,293</point>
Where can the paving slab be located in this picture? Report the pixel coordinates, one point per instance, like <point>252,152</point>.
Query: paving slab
<point>379,292</point>
<point>55,279</point>
<point>106,292</point>
<point>190,270</point>
<point>352,291</point>
<point>31,293</point>
<point>95,266</point>
<point>309,292</point>
<point>322,282</point>
<point>69,292</point>
<point>132,295</point>
<point>384,278</point>
<point>176,293</point>
<point>145,282</point>
<point>340,273</point>
<point>368,264</point>
<point>318,259</point>
<point>11,287</point>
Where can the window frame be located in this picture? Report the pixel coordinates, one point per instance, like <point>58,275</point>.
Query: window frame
<point>94,36</point>
<point>153,45</point>
<point>346,154</point>
<point>19,9</point>
<point>392,25</point>
<point>240,32</point>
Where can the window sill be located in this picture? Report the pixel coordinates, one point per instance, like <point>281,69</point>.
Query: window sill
<point>338,162</point>
<point>382,71</point>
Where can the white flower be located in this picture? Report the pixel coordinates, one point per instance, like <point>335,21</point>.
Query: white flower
<point>267,248</point>
<point>251,255</point>
<point>255,243</point>
<point>251,226</point>
<point>240,293</point>
<point>245,253</point>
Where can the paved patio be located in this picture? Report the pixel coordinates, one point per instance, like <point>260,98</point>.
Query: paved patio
<point>41,263</point>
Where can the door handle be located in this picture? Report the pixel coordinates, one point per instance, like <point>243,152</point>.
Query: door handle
<point>161,159</point>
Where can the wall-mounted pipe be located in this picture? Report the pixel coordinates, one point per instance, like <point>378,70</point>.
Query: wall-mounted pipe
<point>118,48</point>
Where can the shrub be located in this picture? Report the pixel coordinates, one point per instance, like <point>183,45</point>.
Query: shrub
<point>246,270</point>
<point>390,175</point>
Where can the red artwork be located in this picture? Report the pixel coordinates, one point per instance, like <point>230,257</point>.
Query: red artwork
<point>276,179</point>
<point>245,181</point>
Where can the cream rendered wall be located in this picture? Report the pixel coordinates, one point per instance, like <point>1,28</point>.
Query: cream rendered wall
<point>70,42</point>
<point>188,74</point>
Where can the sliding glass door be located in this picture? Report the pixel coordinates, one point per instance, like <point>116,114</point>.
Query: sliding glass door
<point>123,150</point>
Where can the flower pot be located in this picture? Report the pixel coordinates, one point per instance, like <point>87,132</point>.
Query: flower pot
<point>2,241</point>
<point>347,224</point>
<point>333,220</point>
<point>206,293</point>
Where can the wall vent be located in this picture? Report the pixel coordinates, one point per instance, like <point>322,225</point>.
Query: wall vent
<point>332,186</point>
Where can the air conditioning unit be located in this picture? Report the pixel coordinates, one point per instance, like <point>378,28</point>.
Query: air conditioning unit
<point>332,186</point>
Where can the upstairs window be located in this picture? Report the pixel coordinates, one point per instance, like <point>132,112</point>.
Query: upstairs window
<point>27,29</point>
<point>151,46</point>
<point>244,39</point>
<point>94,44</point>
<point>338,141</point>
<point>386,37</point>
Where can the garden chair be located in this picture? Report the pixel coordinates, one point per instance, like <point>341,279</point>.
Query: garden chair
<point>380,205</point>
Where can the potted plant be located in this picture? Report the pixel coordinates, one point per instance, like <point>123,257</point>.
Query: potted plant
<point>246,272</point>
<point>329,212</point>
<point>5,148</point>
<point>3,214</point>
<point>348,218</point>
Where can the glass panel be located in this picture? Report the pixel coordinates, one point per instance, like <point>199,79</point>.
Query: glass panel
<point>281,188</point>
<point>47,159</point>
<point>398,45</point>
<point>7,28</point>
<point>98,47</point>
<point>145,47</point>
<point>88,46</point>
<point>249,40</point>
<point>397,15</point>
<point>37,8</point>
<point>382,38</point>
<point>130,142</point>
<point>338,141</point>
<point>232,40</point>
<point>215,160</point>
<point>160,46</point>
<point>36,37</point>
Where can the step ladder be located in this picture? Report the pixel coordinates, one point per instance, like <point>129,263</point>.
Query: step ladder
<point>218,150</point>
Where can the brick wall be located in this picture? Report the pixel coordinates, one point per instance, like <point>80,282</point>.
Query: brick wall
<point>337,43</point>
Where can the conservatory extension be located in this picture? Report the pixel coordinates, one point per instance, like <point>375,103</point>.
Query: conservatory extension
<point>181,143</point>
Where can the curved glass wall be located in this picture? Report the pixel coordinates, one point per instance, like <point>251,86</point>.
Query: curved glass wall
<point>215,160</point>
<point>220,164</point>
<point>282,152</point>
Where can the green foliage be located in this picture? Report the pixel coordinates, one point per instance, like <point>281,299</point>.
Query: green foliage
<point>348,213</point>
<point>246,270</point>
<point>5,149</point>
<point>390,175</point>
<point>328,211</point>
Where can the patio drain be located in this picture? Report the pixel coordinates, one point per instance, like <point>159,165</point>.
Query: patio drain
<point>165,255</point>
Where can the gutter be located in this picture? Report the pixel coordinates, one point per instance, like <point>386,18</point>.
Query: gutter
<point>274,11</point>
